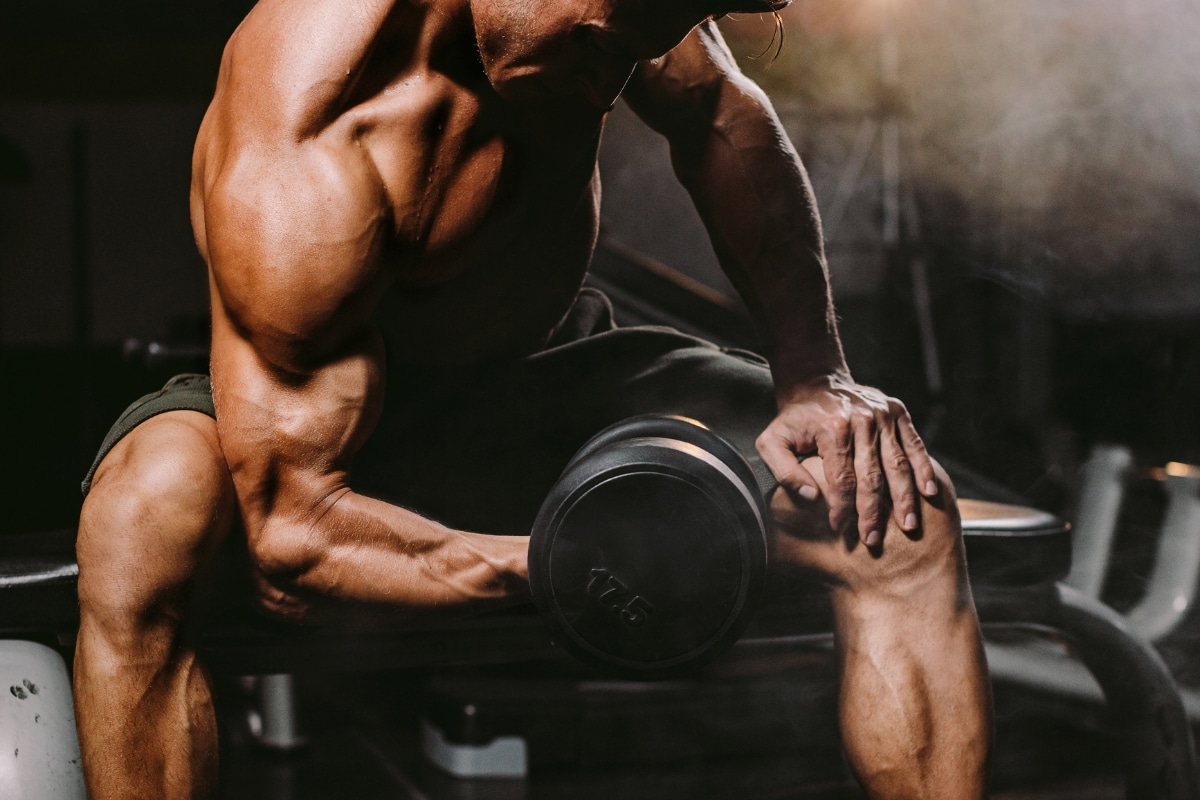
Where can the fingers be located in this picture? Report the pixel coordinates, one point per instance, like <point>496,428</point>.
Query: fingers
<point>779,454</point>
<point>869,479</point>
<point>917,455</point>
<point>875,464</point>
<point>899,474</point>
<point>867,466</point>
<point>836,449</point>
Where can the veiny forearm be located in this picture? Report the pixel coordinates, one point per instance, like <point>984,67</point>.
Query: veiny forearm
<point>746,180</point>
<point>366,552</point>
<point>755,198</point>
<point>289,436</point>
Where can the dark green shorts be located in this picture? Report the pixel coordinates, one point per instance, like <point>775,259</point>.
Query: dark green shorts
<point>181,393</point>
<point>478,447</point>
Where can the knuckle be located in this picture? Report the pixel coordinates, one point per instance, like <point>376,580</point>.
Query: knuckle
<point>909,430</point>
<point>871,481</point>
<point>872,429</point>
<point>840,428</point>
<point>786,475</point>
<point>868,521</point>
<point>868,507</point>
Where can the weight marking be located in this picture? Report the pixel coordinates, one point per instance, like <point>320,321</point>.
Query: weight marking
<point>614,595</point>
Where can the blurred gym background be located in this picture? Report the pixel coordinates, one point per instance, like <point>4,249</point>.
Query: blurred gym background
<point>1010,192</point>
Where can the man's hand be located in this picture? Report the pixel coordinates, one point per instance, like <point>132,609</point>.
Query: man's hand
<point>868,445</point>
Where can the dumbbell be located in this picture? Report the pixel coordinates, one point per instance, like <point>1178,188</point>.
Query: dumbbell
<point>649,554</point>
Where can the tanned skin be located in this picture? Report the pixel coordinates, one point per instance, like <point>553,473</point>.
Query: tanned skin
<point>362,147</point>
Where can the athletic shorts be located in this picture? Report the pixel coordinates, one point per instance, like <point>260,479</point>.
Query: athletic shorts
<point>478,447</point>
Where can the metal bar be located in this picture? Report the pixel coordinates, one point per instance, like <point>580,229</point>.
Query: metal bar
<point>851,173</point>
<point>1171,590</point>
<point>890,153</point>
<point>1160,762</point>
<point>922,299</point>
<point>1102,489</point>
<point>280,725</point>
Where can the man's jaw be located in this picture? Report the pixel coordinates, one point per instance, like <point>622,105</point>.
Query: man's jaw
<point>602,100</point>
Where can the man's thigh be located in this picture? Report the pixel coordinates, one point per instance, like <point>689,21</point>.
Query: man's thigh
<point>187,392</point>
<point>159,493</point>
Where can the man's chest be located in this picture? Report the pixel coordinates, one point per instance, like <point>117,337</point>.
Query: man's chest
<point>459,168</point>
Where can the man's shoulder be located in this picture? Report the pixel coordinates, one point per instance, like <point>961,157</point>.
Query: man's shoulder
<point>677,94</point>
<point>297,63</point>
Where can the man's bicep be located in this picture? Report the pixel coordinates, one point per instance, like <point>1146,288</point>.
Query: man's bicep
<point>297,366</point>
<point>295,244</point>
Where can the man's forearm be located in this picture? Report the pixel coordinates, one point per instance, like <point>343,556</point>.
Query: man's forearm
<point>753,194</point>
<point>365,552</point>
<point>289,436</point>
<point>751,190</point>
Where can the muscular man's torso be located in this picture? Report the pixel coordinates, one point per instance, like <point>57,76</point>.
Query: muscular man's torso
<point>472,218</point>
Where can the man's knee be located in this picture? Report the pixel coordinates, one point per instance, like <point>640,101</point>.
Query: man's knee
<point>160,503</point>
<point>908,562</point>
<point>903,563</point>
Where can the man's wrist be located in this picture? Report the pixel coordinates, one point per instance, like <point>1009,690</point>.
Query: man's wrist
<point>513,569</point>
<point>792,380</point>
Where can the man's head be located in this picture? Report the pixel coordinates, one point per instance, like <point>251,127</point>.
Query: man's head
<point>585,47</point>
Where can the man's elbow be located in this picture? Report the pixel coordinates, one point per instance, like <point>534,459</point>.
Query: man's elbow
<point>283,554</point>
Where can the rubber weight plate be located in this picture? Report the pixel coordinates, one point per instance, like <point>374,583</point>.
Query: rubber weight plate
<point>683,429</point>
<point>649,554</point>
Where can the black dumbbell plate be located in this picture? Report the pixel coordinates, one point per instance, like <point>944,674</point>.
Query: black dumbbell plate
<point>647,556</point>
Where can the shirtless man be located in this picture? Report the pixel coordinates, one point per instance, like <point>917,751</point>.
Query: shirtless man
<point>404,194</point>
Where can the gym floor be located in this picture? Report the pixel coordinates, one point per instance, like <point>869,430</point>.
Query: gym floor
<point>362,742</point>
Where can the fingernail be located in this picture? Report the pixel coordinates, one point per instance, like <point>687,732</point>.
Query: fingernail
<point>873,539</point>
<point>910,522</point>
<point>808,492</point>
<point>930,488</point>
